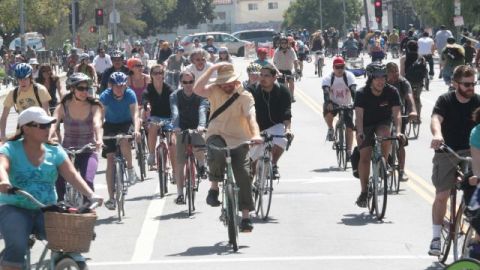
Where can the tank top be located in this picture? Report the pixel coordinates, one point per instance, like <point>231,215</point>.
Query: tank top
<point>77,132</point>
<point>139,91</point>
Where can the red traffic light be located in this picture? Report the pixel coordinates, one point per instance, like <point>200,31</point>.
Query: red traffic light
<point>378,4</point>
<point>99,12</point>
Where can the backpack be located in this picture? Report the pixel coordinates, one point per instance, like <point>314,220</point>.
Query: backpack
<point>417,71</point>
<point>344,79</point>
<point>15,96</point>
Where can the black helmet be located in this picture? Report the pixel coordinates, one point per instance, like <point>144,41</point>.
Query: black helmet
<point>116,54</point>
<point>376,69</point>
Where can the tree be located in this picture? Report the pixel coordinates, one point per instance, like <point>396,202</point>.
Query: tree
<point>306,14</point>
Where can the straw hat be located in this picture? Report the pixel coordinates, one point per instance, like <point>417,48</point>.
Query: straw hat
<point>226,74</point>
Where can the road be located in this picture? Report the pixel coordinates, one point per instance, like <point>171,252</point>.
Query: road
<point>314,222</point>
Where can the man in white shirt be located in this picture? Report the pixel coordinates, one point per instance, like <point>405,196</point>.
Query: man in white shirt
<point>426,48</point>
<point>285,60</point>
<point>199,64</point>
<point>440,42</point>
<point>101,62</point>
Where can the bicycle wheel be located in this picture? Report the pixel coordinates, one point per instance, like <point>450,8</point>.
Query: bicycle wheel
<point>448,229</point>
<point>416,129</point>
<point>380,189</point>
<point>66,263</point>
<point>461,227</point>
<point>161,170</point>
<point>370,195</point>
<point>470,264</point>
<point>266,189</point>
<point>142,156</point>
<point>190,184</point>
<point>119,186</point>
<point>340,147</point>
<point>394,183</point>
<point>167,173</point>
<point>232,217</point>
<point>470,238</point>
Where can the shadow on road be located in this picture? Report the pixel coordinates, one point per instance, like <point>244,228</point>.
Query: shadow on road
<point>177,215</point>
<point>329,169</point>
<point>269,220</point>
<point>109,220</point>
<point>141,198</point>
<point>220,248</point>
<point>361,220</point>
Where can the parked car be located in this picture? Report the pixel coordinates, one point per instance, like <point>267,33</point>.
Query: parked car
<point>257,35</point>
<point>234,45</point>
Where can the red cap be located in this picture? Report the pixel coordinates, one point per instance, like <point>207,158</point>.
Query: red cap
<point>262,50</point>
<point>338,61</point>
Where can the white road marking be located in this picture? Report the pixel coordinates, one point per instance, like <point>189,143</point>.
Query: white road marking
<point>318,180</point>
<point>146,240</point>
<point>268,259</point>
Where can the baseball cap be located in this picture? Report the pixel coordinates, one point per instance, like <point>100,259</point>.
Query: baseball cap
<point>35,114</point>
<point>338,61</point>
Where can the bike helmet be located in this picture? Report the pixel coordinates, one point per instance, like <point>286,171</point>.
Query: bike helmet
<point>117,54</point>
<point>83,56</point>
<point>253,68</point>
<point>138,43</point>
<point>23,70</point>
<point>118,78</point>
<point>283,38</point>
<point>376,69</point>
<point>180,49</point>
<point>76,78</point>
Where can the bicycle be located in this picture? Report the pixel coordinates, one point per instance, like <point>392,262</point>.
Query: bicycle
<point>339,144</point>
<point>192,178</point>
<point>394,163</point>
<point>164,168</point>
<point>120,185</point>
<point>319,63</point>
<point>172,77</point>
<point>263,184</point>
<point>59,259</point>
<point>141,153</point>
<point>413,128</point>
<point>453,225</point>
<point>72,197</point>
<point>229,209</point>
<point>463,264</point>
<point>378,182</point>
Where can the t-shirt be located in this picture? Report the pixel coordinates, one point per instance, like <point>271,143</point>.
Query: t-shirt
<point>425,45</point>
<point>38,181</point>
<point>27,99</point>
<point>102,63</point>
<point>339,92</point>
<point>404,89</point>
<point>376,109</point>
<point>457,119</point>
<point>118,111</point>
<point>475,137</point>
<point>199,73</point>
<point>272,107</point>
<point>441,39</point>
<point>173,64</point>
<point>284,60</point>
<point>188,112</point>
<point>159,103</point>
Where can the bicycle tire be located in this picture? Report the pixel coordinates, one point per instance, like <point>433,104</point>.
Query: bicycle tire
<point>395,169</point>
<point>446,233</point>
<point>461,227</point>
<point>232,225</point>
<point>381,189</point>
<point>340,146</point>
<point>416,129</point>
<point>161,171</point>
<point>189,184</point>
<point>167,173</point>
<point>370,195</point>
<point>266,190</point>
<point>470,237</point>
<point>140,160</point>
<point>118,175</point>
<point>470,264</point>
<point>66,263</point>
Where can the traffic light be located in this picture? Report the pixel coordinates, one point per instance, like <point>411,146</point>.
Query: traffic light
<point>378,8</point>
<point>99,16</point>
<point>92,29</point>
<point>77,16</point>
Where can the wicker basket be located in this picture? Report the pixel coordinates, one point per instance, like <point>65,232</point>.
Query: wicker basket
<point>69,232</point>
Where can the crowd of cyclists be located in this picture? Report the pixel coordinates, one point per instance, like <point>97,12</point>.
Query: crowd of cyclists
<point>203,91</point>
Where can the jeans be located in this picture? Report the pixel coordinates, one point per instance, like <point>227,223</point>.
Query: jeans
<point>16,226</point>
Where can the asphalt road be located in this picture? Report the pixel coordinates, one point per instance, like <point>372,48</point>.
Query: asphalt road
<point>314,222</point>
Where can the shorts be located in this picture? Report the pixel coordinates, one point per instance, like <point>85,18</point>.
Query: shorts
<point>348,115</point>
<point>197,139</point>
<point>302,56</point>
<point>256,151</point>
<point>110,129</point>
<point>444,169</point>
<point>369,133</point>
<point>168,122</point>
<point>287,73</point>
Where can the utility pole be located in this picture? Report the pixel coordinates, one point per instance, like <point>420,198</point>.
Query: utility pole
<point>22,26</point>
<point>366,15</point>
<point>74,26</point>
<point>321,16</point>
<point>390,15</point>
<point>114,39</point>
<point>344,19</point>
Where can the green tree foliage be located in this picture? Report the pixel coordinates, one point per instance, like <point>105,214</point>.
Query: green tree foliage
<point>437,12</point>
<point>306,14</point>
<point>190,12</point>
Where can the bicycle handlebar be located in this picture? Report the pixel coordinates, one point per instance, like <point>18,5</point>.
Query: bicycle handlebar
<point>225,148</point>
<point>269,137</point>
<point>118,137</point>
<point>74,151</point>
<point>446,148</point>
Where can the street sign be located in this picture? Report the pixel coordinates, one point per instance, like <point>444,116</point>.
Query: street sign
<point>114,16</point>
<point>458,21</point>
<point>457,8</point>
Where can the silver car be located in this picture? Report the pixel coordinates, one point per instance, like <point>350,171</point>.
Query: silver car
<point>234,45</point>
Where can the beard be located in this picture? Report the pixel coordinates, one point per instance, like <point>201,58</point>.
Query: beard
<point>468,93</point>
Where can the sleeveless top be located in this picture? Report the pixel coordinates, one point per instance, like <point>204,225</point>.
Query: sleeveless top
<point>77,132</point>
<point>139,91</point>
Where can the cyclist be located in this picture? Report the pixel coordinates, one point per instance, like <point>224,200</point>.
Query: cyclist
<point>101,62</point>
<point>82,123</point>
<point>33,62</point>
<point>235,125</point>
<point>137,80</point>
<point>209,44</point>
<point>451,124</point>
<point>376,105</point>
<point>440,42</point>
<point>27,94</point>
<point>29,154</point>
<point>410,36</point>
<point>52,83</point>
<point>339,90</point>
<point>253,71</point>
<point>117,66</point>
<point>189,111</point>
<point>174,66</point>
<point>394,41</point>
<point>452,56</point>
<point>156,104</point>
<point>262,57</point>
<point>144,57</point>
<point>469,52</point>
<point>376,46</point>
<point>121,112</point>
<point>72,60</point>
<point>302,52</point>
<point>199,64</point>
<point>414,68</point>
<point>285,59</point>
<point>350,47</point>
<point>426,48</point>
<point>407,108</point>
<point>85,67</point>
<point>317,47</point>
<point>223,55</point>
<point>477,61</point>
<point>273,113</point>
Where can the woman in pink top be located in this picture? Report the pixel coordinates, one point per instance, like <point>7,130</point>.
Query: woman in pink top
<point>137,80</point>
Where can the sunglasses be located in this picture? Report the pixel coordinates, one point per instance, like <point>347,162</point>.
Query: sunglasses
<point>82,88</point>
<point>188,82</point>
<point>157,73</point>
<point>40,126</point>
<point>339,67</point>
<point>468,84</point>
<point>139,66</point>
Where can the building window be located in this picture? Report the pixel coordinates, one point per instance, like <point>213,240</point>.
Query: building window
<point>273,5</point>
<point>221,15</point>
<point>253,6</point>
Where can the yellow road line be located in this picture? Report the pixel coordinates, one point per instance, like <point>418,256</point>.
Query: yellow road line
<point>420,181</point>
<point>309,101</point>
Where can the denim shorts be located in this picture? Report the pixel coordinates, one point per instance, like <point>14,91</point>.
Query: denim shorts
<point>168,125</point>
<point>16,225</point>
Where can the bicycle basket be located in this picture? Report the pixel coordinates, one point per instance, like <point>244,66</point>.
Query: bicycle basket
<point>69,232</point>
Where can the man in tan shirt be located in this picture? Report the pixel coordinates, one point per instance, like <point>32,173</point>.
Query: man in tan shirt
<point>234,126</point>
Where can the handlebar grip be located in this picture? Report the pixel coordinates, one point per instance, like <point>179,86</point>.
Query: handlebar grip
<point>13,190</point>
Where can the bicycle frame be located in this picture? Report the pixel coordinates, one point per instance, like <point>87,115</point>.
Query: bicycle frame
<point>162,154</point>
<point>72,196</point>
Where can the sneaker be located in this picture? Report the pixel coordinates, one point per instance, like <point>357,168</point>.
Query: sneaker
<point>202,171</point>
<point>435,247</point>
<point>362,200</point>
<point>276,174</point>
<point>132,176</point>
<point>246,225</point>
<point>212,198</point>
<point>330,135</point>
<point>110,204</point>
<point>180,199</point>
<point>403,176</point>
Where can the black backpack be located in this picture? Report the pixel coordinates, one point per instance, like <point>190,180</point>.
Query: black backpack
<point>35,91</point>
<point>417,71</point>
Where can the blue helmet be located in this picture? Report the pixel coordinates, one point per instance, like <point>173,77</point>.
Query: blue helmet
<point>118,78</point>
<point>23,70</point>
